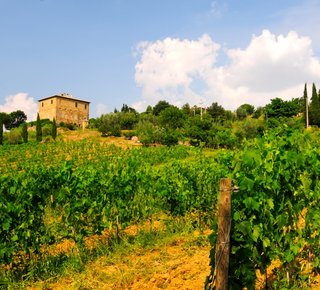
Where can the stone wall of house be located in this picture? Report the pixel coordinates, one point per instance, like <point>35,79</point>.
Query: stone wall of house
<point>63,109</point>
<point>47,109</point>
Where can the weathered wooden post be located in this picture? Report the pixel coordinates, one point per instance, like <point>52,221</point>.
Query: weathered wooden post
<point>223,241</point>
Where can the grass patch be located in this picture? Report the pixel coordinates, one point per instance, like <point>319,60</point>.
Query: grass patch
<point>136,258</point>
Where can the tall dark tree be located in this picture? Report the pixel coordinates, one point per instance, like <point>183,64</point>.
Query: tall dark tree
<point>314,108</point>
<point>24,132</point>
<point>38,129</point>
<point>1,132</point>
<point>54,129</point>
<point>306,106</point>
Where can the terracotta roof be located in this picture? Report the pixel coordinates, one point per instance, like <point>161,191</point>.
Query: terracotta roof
<point>63,97</point>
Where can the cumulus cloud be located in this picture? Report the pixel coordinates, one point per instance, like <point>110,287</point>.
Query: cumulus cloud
<point>270,66</point>
<point>23,102</point>
<point>168,67</point>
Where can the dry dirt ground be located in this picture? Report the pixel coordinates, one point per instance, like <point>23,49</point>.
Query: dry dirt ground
<point>180,264</point>
<point>88,134</point>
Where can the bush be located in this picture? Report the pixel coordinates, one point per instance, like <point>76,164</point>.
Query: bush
<point>221,138</point>
<point>170,138</point>
<point>249,129</point>
<point>46,130</point>
<point>14,136</point>
<point>149,133</point>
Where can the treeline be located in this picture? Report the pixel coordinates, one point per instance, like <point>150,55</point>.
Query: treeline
<point>15,123</point>
<point>212,126</point>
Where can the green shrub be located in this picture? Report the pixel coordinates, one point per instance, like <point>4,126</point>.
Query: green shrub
<point>14,136</point>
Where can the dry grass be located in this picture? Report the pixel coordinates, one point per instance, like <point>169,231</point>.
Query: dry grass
<point>93,135</point>
<point>177,263</point>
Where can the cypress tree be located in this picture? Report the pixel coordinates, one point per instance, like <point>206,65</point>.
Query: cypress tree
<point>54,129</point>
<point>38,129</point>
<point>314,107</point>
<point>306,106</point>
<point>24,133</point>
<point>1,132</point>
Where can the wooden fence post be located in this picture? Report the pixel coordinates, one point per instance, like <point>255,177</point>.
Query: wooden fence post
<point>223,242</point>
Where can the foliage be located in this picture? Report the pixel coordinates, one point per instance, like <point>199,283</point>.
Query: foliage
<point>109,124</point>
<point>244,110</point>
<point>160,106</point>
<point>128,120</point>
<point>38,129</point>
<point>14,136</point>
<point>279,108</point>
<point>258,112</point>
<point>314,107</point>
<point>170,138</point>
<point>220,137</point>
<point>149,133</point>
<point>172,118</point>
<point>1,132</point>
<point>88,194</point>
<point>24,132</point>
<point>216,111</point>
<point>46,130</point>
<point>306,106</point>
<point>248,129</point>
<point>277,177</point>
<point>54,129</point>
<point>126,109</point>
<point>198,130</point>
<point>14,119</point>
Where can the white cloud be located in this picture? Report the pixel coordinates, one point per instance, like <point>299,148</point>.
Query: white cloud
<point>168,67</point>
<point>270,66</point>
<point>23,102</point>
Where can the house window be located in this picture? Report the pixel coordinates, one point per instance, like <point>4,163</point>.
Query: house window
<point>51,102</point>
<point>85,106</point>
<point>42,104</point>
<point>76,105</point>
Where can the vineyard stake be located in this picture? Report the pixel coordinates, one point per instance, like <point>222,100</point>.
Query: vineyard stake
<point>223,242</point>
<point>118,229</point>
<point>150,218</point>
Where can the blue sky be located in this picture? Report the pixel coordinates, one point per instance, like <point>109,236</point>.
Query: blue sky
<point>137,52</point>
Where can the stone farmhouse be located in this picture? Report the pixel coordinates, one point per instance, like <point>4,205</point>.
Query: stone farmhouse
<point>64,108</point>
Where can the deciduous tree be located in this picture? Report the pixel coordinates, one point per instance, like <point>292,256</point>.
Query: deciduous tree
<point>15,119</point>
<point>160,106</point>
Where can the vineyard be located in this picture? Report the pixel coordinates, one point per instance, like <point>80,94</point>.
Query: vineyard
<point>68,191</point>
